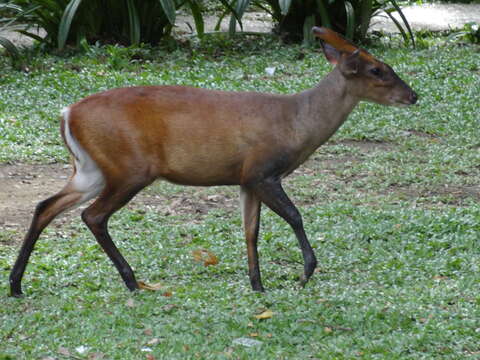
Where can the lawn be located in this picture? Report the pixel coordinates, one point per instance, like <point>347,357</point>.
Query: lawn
<point>390,204</point>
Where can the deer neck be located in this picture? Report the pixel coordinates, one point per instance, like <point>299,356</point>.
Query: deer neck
<point>323,109</point>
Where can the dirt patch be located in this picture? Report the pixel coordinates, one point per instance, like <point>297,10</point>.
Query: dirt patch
<point>448,195</point>
<point>23,186</point>
<point>366,146</point>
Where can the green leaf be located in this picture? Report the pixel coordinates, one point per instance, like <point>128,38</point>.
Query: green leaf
<point>308,38</point>
<point>9,47</point>
<point>240,8</point>
<point>134,22</point>
<point>284,6</point>
<point>323,15</point>
<point>398,25</point>
<point>168,7</point>
<point>349,32</point>
<point>365,17</point>
<point>10,7</point>
<point>197,17</point>
<point>405,21</point>
<point>31,35</point>
<point>66,22</point>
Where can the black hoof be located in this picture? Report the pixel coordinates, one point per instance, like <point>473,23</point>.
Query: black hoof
<point>133,287</point>
<point>303,280</point>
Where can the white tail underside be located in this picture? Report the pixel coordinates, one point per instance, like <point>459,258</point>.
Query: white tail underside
<point>88,178</point>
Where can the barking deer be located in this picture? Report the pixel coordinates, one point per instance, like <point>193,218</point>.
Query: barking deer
<point>122,140</point>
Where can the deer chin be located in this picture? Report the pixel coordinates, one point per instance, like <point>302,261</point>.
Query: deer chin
<point>400,103</point>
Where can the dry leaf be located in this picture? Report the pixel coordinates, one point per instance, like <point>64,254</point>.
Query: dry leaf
<point>205,256</point>
<point>167,294</point>
<point>267,314</point>
<point>130,303</point>
<point>148,332</point>
<point>328,330</point>
<point>95,356</point>
<point>253,334</point>
<point>151,287</point>
<point>168,307</point>
<point>63,351</point>
<point>153,341</point>
<point>150,357</point>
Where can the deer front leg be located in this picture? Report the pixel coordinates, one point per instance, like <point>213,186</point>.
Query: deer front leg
<point>271,193</point>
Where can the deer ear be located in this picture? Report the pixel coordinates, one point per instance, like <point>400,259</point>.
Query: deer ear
<point>332,54</point>
<point>349,63</point>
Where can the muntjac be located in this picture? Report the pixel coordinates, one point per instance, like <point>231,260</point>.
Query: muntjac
<point>122,140</point>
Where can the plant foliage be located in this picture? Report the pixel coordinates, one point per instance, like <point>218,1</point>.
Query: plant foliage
<point>68,22</point>
<point>349,17</point>
<point>112,21</point>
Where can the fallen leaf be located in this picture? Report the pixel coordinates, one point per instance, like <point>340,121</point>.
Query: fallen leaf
<point>153,341</point>
<point>328,329</point>
<point>63,351</point>
<point>253,334</point>
<point>267,314</point>
<point>205,256</point>
<point>167,294</point>
<point>148,332</point>
<point>150,357</point>
<point>168,307</point>
<point>151,287</point>
<point>96,356</point>
<point>130,303</point>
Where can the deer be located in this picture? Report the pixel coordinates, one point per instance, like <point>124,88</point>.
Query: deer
<point>121,140</point>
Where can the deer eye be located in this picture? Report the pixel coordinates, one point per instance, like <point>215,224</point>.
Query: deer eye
<point>376,71</point>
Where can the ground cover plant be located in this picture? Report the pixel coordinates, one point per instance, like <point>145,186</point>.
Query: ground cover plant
<point>390,204</point>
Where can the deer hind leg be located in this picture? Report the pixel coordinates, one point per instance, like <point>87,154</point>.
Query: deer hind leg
<point>73,194</point>
<point>96,217</point>
<point>250,205</point>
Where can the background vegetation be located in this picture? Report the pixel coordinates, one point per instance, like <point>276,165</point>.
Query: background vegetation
<point>148,21</point>
<point>390,205</point>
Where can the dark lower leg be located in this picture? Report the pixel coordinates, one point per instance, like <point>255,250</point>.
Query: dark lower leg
<point>99,230</point>
<point>96,217</point>
<point>251,218</point>
<point>271,193</point>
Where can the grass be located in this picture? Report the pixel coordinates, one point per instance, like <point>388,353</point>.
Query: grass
<point>390,206</point>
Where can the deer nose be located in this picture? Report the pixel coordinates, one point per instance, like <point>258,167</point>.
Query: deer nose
<point>413,98</point>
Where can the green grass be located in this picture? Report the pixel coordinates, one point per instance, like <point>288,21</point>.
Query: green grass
<point>390,206</point>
